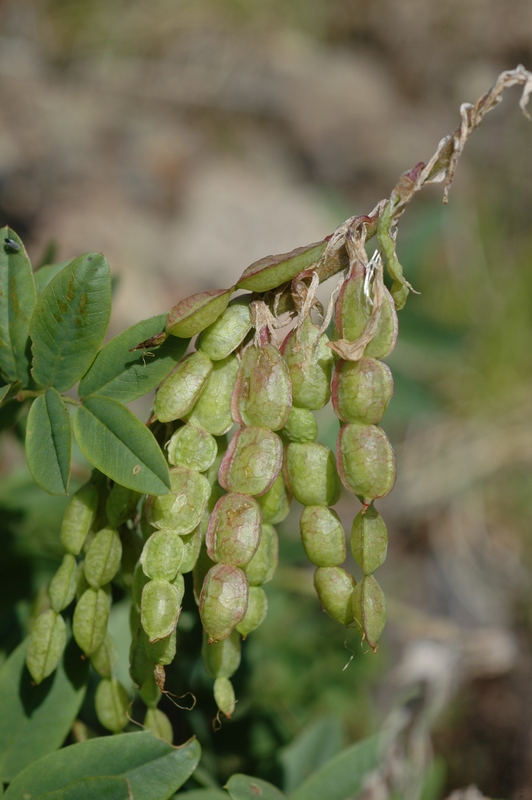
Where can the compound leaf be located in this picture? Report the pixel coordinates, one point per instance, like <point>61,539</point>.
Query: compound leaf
<point>244,787</point>
<point>49,442</point>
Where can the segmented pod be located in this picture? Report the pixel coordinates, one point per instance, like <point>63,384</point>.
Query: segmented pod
<point>369,610</point>
<point>162,555</point>
<point>105,658</point>
<point>361,390</point>
<point>201,568</point>
<point>46,645</point>
<point>310,474</point>
<point>181,509</point>
<point>158,723</point>
<point>179,392</point>
<point>159,609</point>
<point>121,504</point>
<point>262,395</point>
<point>310,363</point>
<point>251,462</point>
<point>224,695</point>
<point>62,589</point>
<point>163,650</point>
<point>275,503</point>
<point>195,313</point>
<point>212,409</point>
<point>323,536</point>
<point>103,558</point>
<point>78,518</point>
<point>191,550</point>
<point>334,587</point>
<point>149,692</point>
<point>369,540</point>
<point>192,447</point>
<point>89,624</point>
<point>111,702</point>
<point>223,600</point>
<point>366,460</point>
<point>301,426</point>
<point>353,311</point>
<point>262,566</point>
<point>222,658</point>
<point>221,338</point>
<point>256,611</point>
<point>234,530</point>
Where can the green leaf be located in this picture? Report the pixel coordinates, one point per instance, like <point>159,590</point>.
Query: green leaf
<point>70,321</point>
<point>49,442</point>
<point>243,787</point>
<point>91,788</point>
<point>123,375</point>
<point>120,446</point>
<point>17,301</point>
<point>4,390</point>
<point>35,720</point>
<point>311,749</point>
<point>342,776</point>
<point>153,769</point>
<point>44,274</point>
<point>204,794</point>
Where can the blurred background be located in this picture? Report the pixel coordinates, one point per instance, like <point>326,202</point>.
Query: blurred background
<point>186,139</point>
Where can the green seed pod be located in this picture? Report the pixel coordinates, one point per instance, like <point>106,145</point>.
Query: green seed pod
<point>234,530</point>
<point>131,550</point>
<point>212,410</point>
<point>262,395</point>
<point>162,555</point>
<point>62,589</point>
<point>182,508</point>
<point>301,426</point>
<point>262,566</point>
<point>334,587</point>
<point>149,692</point>
<point>179,392</point>
<point>195,313</point>
<point>271,271</point>
<point>163,650</point>
<point>369,610</point>
<point>323,536</point>
<point>78,518</point>
<point>310,474</point>
<point>121,504</point>
<point>223,600</point>
<point>353,312</point>
<point>46,645</point>
<point>192,447</point>
<point>222,659</point>
<point>191,549</point>
<point>105,658</point>
<point>91,615</point>
<point>310,364</point>
<point>159,609</point>
<point>275,503</point>
<point>252,461</point>
<point>179,583</point>
<point>222,338</point>
<point>369,540</point>
<point>365,460</point>
<point>103,558</point>
<point>201,568</point>
<point>256,613</point>
<point>158,723</point>
<point>224,695</point>
<point>139,582</point>
<point>140,667</point>
<point>361,390</point>
<point>111,703</point>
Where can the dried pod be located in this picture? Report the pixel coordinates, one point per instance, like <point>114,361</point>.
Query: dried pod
<point>310,474</point>
<point>46,645</point>
<point>163,650</point>
<point>234,530</point>
<point>182,508</point>
<point>334,587</point>
<point>262,566</point>
<point>191,549</point>
<point>158,723</point>
<point>369,610</point>
<point>224,696</point>
<point>361,390</point>
<point>353,311</point>
<point>301,426</point>
<point>222,659</point>
<point>159,609</point>
<point>275,503</point>
<point>252,461</point>
<point>105,658</point>
<point>366,461</point>
<point>103,558</point>
<point>195,313</point>
<point>111,703</point>
<point>78,518</point>
<point>310,364</point>
<point>121,504</point>
<point>369,540</point>
<point>89,624</point>
<point>223,600</point>
<point>162,555</point>
<point>221,338</point>
<point>62,589</point>
<point>323,536</point>
<point>192,447</point>
<point>179,392</point>
<point>256,613</point>
<point>212,410</point>
<point>262,395</point>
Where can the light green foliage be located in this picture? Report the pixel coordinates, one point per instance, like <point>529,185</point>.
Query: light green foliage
<point>49,442</point>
